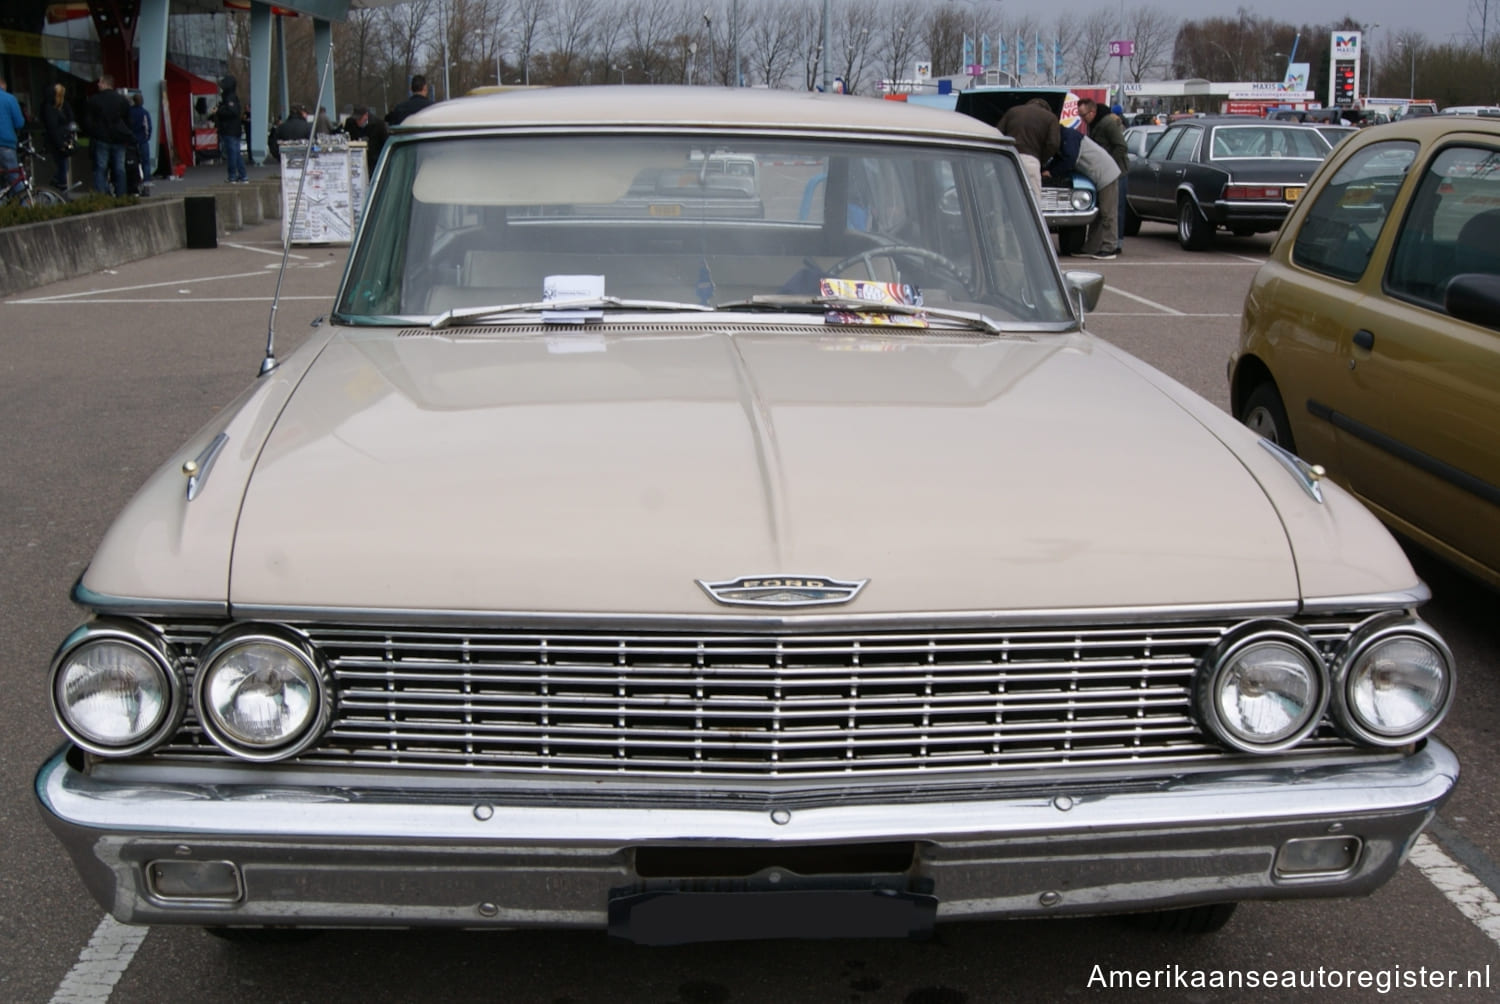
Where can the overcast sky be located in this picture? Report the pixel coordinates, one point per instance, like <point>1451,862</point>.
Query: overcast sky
<point>1440,20</point>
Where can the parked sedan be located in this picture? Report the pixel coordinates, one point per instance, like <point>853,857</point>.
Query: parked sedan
<point>1237,172</point>
<point>1139,138</point>
<point>688,574</point>
<point>1371,338</point>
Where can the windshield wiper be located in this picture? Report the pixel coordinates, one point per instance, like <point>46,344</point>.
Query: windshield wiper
<point>792,301</point>
<point>446,318</point>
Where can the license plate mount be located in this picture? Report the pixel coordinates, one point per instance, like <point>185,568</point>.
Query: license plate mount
<point>680,918</point>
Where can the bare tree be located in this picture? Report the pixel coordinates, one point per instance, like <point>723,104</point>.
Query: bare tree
<point>1091,56</point>
<point>1154,33</point>
<point>570,24</point>
<point>526,23</point>
<point>856,24</point>
<point>771,35</point>
<point>901,38</point>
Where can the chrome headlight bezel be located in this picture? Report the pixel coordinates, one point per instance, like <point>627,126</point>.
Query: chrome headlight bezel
<point>1208,683</point>
<point>300,655</point>
<point>1081,199</point>
<point>161,658</point>
<point>1361,644</point>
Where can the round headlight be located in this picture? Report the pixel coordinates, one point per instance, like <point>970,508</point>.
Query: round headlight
<point>1082,198</point>
<point>114,690</point>
<point>1264,691</point>
<point>1395,685</point>
<point>261,696</point>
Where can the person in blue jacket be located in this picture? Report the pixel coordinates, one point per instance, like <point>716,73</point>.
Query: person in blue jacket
<point>11,124</point>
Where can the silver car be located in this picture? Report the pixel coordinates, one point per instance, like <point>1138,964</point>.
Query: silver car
<point>692,574</point>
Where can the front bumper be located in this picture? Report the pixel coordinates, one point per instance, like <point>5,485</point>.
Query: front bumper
<point>361,856</point>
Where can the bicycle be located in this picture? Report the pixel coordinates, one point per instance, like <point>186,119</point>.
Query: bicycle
<point>18,189</point>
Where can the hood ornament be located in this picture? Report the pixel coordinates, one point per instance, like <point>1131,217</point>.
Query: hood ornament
<point>782,590</point>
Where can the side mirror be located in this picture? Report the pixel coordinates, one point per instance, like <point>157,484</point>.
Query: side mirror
<point>1084,288</point>
<point>1474,297</point>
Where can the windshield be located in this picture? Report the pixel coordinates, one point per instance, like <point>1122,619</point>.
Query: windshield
<point>464,223</point>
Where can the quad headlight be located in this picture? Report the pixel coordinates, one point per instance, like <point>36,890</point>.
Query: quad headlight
<point>1394,682</point>
<point>116,690</point>
<point>1263,689</point>
<point>261,694</point>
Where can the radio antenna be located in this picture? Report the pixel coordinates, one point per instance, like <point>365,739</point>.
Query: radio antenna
<point>269,362</point>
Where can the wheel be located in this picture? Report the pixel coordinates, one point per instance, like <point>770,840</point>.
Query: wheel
<point>1070,240</point>
<point>1131,224</point>
<point>1194,233</point>
<point>47,197</point>
<point>1188,920</point>
<point>263,935</point>
<point>1264,412</point>
<point>894,251</point>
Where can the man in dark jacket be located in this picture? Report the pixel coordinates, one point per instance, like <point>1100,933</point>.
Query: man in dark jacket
<point>229,119</point>
<point>357,125</point>
<point>414,103</point>
<point>1035,129</point>
<point>107,124</point>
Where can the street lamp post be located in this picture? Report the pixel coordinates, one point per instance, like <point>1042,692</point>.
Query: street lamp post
<point>1369,40</point>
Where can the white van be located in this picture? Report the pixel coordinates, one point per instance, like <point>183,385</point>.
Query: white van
<point>1488,111</point>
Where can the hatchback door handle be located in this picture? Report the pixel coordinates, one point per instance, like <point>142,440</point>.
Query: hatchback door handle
<point>1364,339</point>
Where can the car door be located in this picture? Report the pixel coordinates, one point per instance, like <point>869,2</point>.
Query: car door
<point>1161,171</point>
<point>1415,405</point>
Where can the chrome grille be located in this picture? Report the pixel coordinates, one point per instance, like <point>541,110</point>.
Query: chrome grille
<point>1056,200</point>
<point>755,706</point>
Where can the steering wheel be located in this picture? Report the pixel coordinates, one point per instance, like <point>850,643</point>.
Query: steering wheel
<point>894,251</point>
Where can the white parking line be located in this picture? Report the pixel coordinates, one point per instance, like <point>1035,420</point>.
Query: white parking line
<point>1472,897</point>
<point>1141,299</point>
<point>277,252</point>
<point>194,301</point>
<point>88,293</point>
<point>101,964</point>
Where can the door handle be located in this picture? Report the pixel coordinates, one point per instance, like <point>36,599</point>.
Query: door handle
<point>1364,339</point>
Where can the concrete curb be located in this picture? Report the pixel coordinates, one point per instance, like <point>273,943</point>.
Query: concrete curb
<point>42,253</point>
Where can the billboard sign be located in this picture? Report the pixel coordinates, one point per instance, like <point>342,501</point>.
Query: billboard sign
<point>1346,45</point>
<point>1122,48</point>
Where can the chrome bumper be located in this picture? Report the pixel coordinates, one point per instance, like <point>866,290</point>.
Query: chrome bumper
<point>366,856</point>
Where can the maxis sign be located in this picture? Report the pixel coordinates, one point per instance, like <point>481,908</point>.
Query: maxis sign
<point>1346,44</point>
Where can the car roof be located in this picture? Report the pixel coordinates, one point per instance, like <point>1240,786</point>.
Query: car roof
<point>642,105</point>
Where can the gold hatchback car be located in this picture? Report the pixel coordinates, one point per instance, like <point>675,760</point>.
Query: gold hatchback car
<point>1370,342</point>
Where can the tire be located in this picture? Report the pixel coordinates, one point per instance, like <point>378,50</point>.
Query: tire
<point>1070,239</point>
<point>1188,920</point>
<point>47,197</point>
<point>1130,226</point>
<point>1264,412</point>
<point>1194,233</point>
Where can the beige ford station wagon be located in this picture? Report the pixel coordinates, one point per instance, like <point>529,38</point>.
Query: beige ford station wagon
<point>620,558</point>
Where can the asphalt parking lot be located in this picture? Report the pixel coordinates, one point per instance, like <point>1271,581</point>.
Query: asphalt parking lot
<point>104,376</point>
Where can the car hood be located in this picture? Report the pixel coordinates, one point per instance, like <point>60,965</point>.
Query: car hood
<point>594,471</point>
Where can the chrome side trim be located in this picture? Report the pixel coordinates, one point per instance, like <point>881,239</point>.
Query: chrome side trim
<point>139,606</point>
<point>1307,475</point>
<point>196,470</point>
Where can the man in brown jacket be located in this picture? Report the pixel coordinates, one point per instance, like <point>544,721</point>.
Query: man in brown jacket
<point>1035,129</point>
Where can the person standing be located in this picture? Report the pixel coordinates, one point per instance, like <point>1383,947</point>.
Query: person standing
<point>357,125</point>
<point>414,102</point>
<point>1095,163</point>
<point>107,123</point>
<point>323,125</point>
<point>1108,130</point>
<point>229,120</point>
<point>140,129</point>
<point>1035,129</point>
<point>59,127</point>
<point>11,124</point>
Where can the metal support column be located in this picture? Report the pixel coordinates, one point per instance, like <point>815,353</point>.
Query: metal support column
<point>151,34</point>
<point>259,85</point>
<point>322,48</point>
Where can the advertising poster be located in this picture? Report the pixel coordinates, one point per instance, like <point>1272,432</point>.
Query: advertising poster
<point>324,213</point>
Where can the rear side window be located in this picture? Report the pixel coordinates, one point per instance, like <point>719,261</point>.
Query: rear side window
<point>1453,226</point>
<point>1342,226</point>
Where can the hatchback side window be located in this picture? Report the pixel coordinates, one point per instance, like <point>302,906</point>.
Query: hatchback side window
<point>1342,226</point>
<point>1453,226</point>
